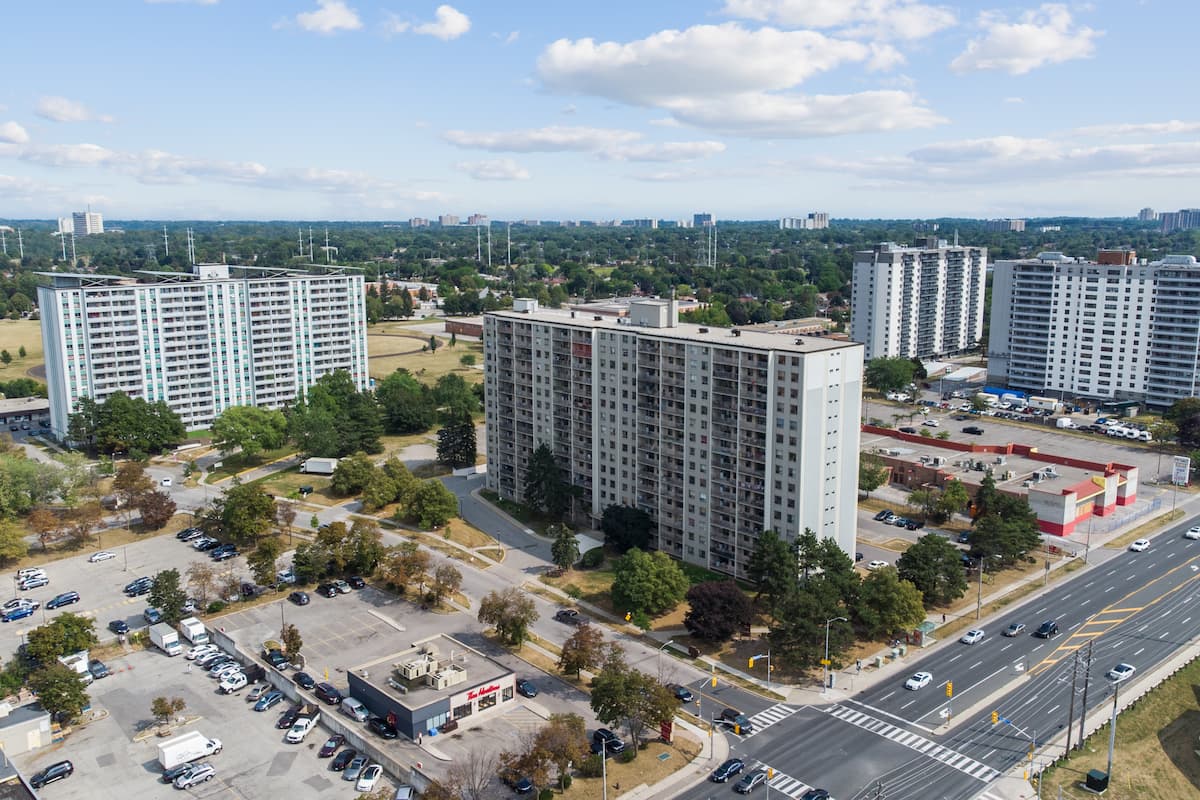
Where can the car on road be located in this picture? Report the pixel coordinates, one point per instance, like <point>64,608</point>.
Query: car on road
<point>331,745</point>
<point>737,720</point>
<point>64,599</point>
<point>974,430</point>
<point>304,680</point>
<point>1192,532</point>
<point>55,772</point>
<point>1120,672</point>
<point>815,794</point>
<point>876,564</point>
<point>14,614</point>
<point>328,693</point>
<point>382,727</point>
<point>368,778</point>
<point>343,759</point>
<point>973,636</point>
<point>919,680</point>
<point>98,669</point>
<point>118,626</point>
<point>727,770</point>
<point>354,768</point>
<point>103,555</point>
<point>751,781</point>
<point>1140,545</point>
<point>570,616</point>
<point>1047,630</point>
<point>683,694</point>
<point>299,598</point>
<point>526,688</point>
<point>201,773</point>
<point>268,700</point>
<point>1014,629</point>
<point>167,482</point>
<point>327,590</point>
<point>964,537</point>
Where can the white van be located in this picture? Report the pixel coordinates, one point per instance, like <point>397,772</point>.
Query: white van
<point>354,709</point>
<point>29,572</point>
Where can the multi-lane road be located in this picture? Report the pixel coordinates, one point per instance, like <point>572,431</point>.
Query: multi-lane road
<point>887,741</point>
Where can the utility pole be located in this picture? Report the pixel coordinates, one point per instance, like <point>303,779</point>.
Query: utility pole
<point>1071,707</point>
<point>1087,674</point>
<point>1112,734</point>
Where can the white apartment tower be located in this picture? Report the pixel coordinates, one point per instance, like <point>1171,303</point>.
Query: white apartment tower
<point>918,302</point>
<point>1072,328</point>
<point>86,223</point>
<point>201,342</point>
<point>717,434</point>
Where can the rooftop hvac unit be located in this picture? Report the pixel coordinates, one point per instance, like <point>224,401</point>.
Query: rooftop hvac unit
<point>939,461</point>
<point>447,677</point>
<point>422,665</point>
<point>1001,460</point>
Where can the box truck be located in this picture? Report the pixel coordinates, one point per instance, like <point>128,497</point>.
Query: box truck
<point>185,748</point>
<point>165,638</point>
<point>319,466</point>
<point>194,630</point>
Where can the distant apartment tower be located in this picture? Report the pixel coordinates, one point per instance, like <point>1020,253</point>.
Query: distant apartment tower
<point>717,434</point>
<point>478,219</point>
<point>918,302</point>
<point>703,220</point>
<point>1147,215</point>
<point>639,223</point>
<point>815,221</point>
<point>1006,225</point>
<point>448,220</point>
<point>84,223</point>
<point>418,222</point>
<point>1183,220</point>
<point>201,342</point>
<point>1120,329</point>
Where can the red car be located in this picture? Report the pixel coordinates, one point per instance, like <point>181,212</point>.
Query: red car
<point>331,745</point>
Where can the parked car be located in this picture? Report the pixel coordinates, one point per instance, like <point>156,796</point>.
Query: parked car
<point>34,582</point>
<point>257,692</point>
<point>98,669</point>
<point>20,602</point>
<point>277,660</point>
<point>14,614</point>
<point>118,626</point>
<point>877,564</point>
<point>299,598</point>
<point>727,770</point>
<point>304,680</point>
<point>354,768</point>
<point>356,582</point>
<point>606,739</point>
<point>342,587</point>
<point>103,555</point>
<point>288,718</point>
<point>884,515</point>
<point>201,773</point>
<point>300,729</point>
<point>55,772</point>
<point>171,774</point>
<point>327,590</point>
<point>382,727</point>
<point>368,778</point>
<point>285,576</point>
<point>152,616</point>
<point>269,700</point>
<point>974,430</point>
<point>526,688</point>
<point>64,599</point>
<point>343,759</point>
<point>331,745</point>
<point>328,693</point>
<point>234,682</point>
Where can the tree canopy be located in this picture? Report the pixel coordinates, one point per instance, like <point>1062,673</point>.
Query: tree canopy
<point>647,582</point>
<point>124,424</point>
<point>251,429</point>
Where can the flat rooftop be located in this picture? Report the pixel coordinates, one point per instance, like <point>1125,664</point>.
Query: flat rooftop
<point>686,331</point>
<point>24,405</point>
<point>449,653</point>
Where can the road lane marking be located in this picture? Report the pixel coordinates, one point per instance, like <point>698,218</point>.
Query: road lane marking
<point>1002,649</point>
<point>955,658</point>
<point>1056,708</point>
<point>1186,621</point>
<point>906,705</point>
<point>1163,635</point>
<point>1040,610</point>
<point>1073,627</point>
<point>976,664</point>
<point>886,696</point>
<point>1111,572</point>
<point>1109,589</point>
<point>1064,597</point>
<point>1147,625</point>
<point>1139,652</point>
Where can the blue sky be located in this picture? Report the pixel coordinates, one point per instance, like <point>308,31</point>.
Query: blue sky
<point>751,109</point>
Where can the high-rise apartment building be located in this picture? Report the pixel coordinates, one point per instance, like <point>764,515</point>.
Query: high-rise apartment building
<point>1006,225</point>
<point>1147,215</point>
<point>448,220</point>
<point>717,434</point>
<point>1183,220</point>
<point>480,220</point>
<point>918,302</point>
<point>704,220</point>
<point>815,221</point>
<point>87,223</point>
<point>201,342</point>
<point>1067,327</point>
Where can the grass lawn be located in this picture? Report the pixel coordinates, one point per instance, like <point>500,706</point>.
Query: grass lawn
<point>1155,750</point>
<point>590,585</point>
<point>288,483</point>
<point>389,352</point>
<point>15,334</point>
<point>233,464</point>
<point>649,767</point>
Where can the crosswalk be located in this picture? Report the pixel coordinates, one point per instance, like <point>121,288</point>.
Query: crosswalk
<point>950,758</point>
<point>785,784</point>
<point>767,718</point>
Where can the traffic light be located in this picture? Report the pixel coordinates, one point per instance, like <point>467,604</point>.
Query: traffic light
<point>737,729</point>
<point>995,717</point>
<point>714,681</point>
<point>751,662</point>
<point>770,773</point>
<point>949,688</point>
<point>628,615</point>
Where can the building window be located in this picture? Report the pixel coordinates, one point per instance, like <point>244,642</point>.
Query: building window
<point>508,694</point>
<point>462,711</point>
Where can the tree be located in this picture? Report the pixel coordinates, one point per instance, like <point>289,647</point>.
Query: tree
<point>404,564</point>
<point>60,690</point>
<point>130,484</point>
<point>773,566</point>
<point>309,562</point>
<point>433,344</point>
<point>333,418</point>
<point>253,429</point>
<point>245,512</point>
<point>352,474</point>
<point>626,527</point>
<point>156,509</point>
<point>362,548</point>
<point>887,604</point>
<point>467,360</point>
<point>872,473</point>
<point>543,478</point>
<point>432,505</point>
<point>47,524</point>
<point>510,612</point>
<point>405,482</point>
<point>986,496</point>
<point>799,631</point>
<point>456,445</point>
<point>124,424</point>
<point>583,649</point>
<point>648,582</point>
<point>718,610</point>
<point>379,491</point>
<point>21,349</point>
<point>6,357</point>
<point>888,374</point>
<point>563,741</point>
<point>82,521</point>
<point>837,570</point>
<point>923,502</point>
<point>1181,409</point>
<point>65,634</point>
<point>954,499</point>
<point>1007,534</point>
<point>262,561</point>
<point>473,775</point>
<point>406,403</point>
<point>934,566</point>
<point>168,596</point>
<point>163,709</point>
<point>455,398</point>
<point>292,641</point>
<point>626,696</point>
<point>285,515</point>
<point>564,547</point>
<point>12,541</point>
<point>446,581</point>
<point>202,580</point>
<point>1189,431</point>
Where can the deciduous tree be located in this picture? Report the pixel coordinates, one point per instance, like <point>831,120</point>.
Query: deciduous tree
<point>60,690</point>
<point>648,582</point>
<point>202,580</point>
<point>407,404</point>
<point>156,509</point>
<point>404,565</point>
<point>871,473</point>
<point>292,641</point>
<point>626,527</point>
<point>352,474</point>
<point>718,610</point>
<point>12,541</point>
<point>887,604</point>
<point>261,561</point>
<point>65,634</point>
<point>510,612</point>
<point>252,429</point>
<point>583,649</point>
<point>432,505</point>
<point>167,595</point>
<point>626,696</point>
<point>888,374</point>
<point>446,581</point>
<point>934,566</point>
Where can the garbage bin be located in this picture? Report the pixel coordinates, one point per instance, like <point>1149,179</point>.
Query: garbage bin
<point>903,649</point>
<point>878,662</point>
<point>1097,781</point>
<point>693,652</point>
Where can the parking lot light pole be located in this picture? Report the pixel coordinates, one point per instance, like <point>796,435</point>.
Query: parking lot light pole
<point>660,652</point>
<point>1112,733</point>
<point>825,662</point>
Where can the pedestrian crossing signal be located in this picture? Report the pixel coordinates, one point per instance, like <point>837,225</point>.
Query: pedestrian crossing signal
<point>751,663</point>
<point>995,717</point>
<point>770,773</point>
<point>714,681</point>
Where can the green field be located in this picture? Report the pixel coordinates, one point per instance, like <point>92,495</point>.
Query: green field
<point>389,351</point>
<point>15,334</point>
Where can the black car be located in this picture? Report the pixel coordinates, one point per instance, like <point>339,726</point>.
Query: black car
<point>139,587</point>
<point>736,719</point>
<point>603,738</point>
<point>526,688</point>
<point>727,770</point>
<point>98,669</point>
<point>815,794</point>
<point>186,532</point>
<point>327,590</point>
<point>356,582</point>
<point>342,759</point>
<point>171,774</point>
<point>964,537</point>
<point>223,553</point>
<point>64,599</point>
<point>382,727</point>
<point>118,626</point>
<point>249,590</point>
<point>908,430</point>
<point>570,616</point>
<point>328,693</point>
<point>883,515</point>
<point>211,544</point>
<point>52,773</point>
<point>288,718</point>
<point>277,659</point>
<point>974,430</point>
<point>683,694</point>
<point>299,598</point>
<point>1047,630</point>
<point>304,680</point>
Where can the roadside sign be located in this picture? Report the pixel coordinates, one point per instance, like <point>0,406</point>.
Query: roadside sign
<point>1181,470</point>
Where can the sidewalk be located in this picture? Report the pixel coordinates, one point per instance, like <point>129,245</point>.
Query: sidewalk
<point>713,751</point>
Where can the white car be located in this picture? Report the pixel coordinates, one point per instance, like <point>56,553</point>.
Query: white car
<point>918,681</point>
<point>301,729</point>
<point>1120,672</point>
<point>368,778</point>
<point>233,683</point>
<point>103,555</point>
<point>20,602</point>
<point>972,637</point>
<point>874,565</point>
<point>227,670</point>
<point>200,650</point>
<point>1140,545</point>
<point>1192,532</point>
<point>933,423</point>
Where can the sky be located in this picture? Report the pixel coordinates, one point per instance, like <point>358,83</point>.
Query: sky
<point>560,109</point>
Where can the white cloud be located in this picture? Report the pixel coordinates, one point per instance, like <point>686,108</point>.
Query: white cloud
<point>666,151</point>
<point>1014,100</point>
<point>449,23</point>
<point>497,169</point>
<point>666,122</point>
<point>331,16</point>
<point>60,109</point>
<point>1045,35</point>
<point>13,133</point>
<point>1139,128</point>
<point>728,78</point>
<point>886,19</point>
<point>551,139</point>
<point>508,38</point>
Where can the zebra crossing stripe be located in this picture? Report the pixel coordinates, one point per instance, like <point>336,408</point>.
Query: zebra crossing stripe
<point>768,717</point>
<point>905,738</point>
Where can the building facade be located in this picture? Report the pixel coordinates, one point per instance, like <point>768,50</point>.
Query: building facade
<point>201,342</point>
<point>1005,225</point>
<point>918,302</point>
<point>815,221</point>
<point>86,223</point>
<point>717,434</point>
<point>1071,328</point>
<point>1183,220</point>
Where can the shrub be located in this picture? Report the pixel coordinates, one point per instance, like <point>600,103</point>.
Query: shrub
<point>216,606</point>
<point>591,767</point>
<point>573,591</point>
<point>546,794</point>
<point>627,755</point>
<point>592,558</point>
<point>566,781</point>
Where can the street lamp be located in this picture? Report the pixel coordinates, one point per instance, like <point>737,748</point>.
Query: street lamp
<point>1112,733</point>
<point>660,652</point>
<point>767,656</point>
<point>825,661</point>
<point>979,596</point>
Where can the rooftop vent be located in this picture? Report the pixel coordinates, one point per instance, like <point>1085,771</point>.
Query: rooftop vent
<point>737,332</point>
<point>704,330</point>
<point>596,318</point>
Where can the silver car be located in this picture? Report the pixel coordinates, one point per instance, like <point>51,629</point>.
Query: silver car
<point>201,773</point>
<point>354,768</point>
